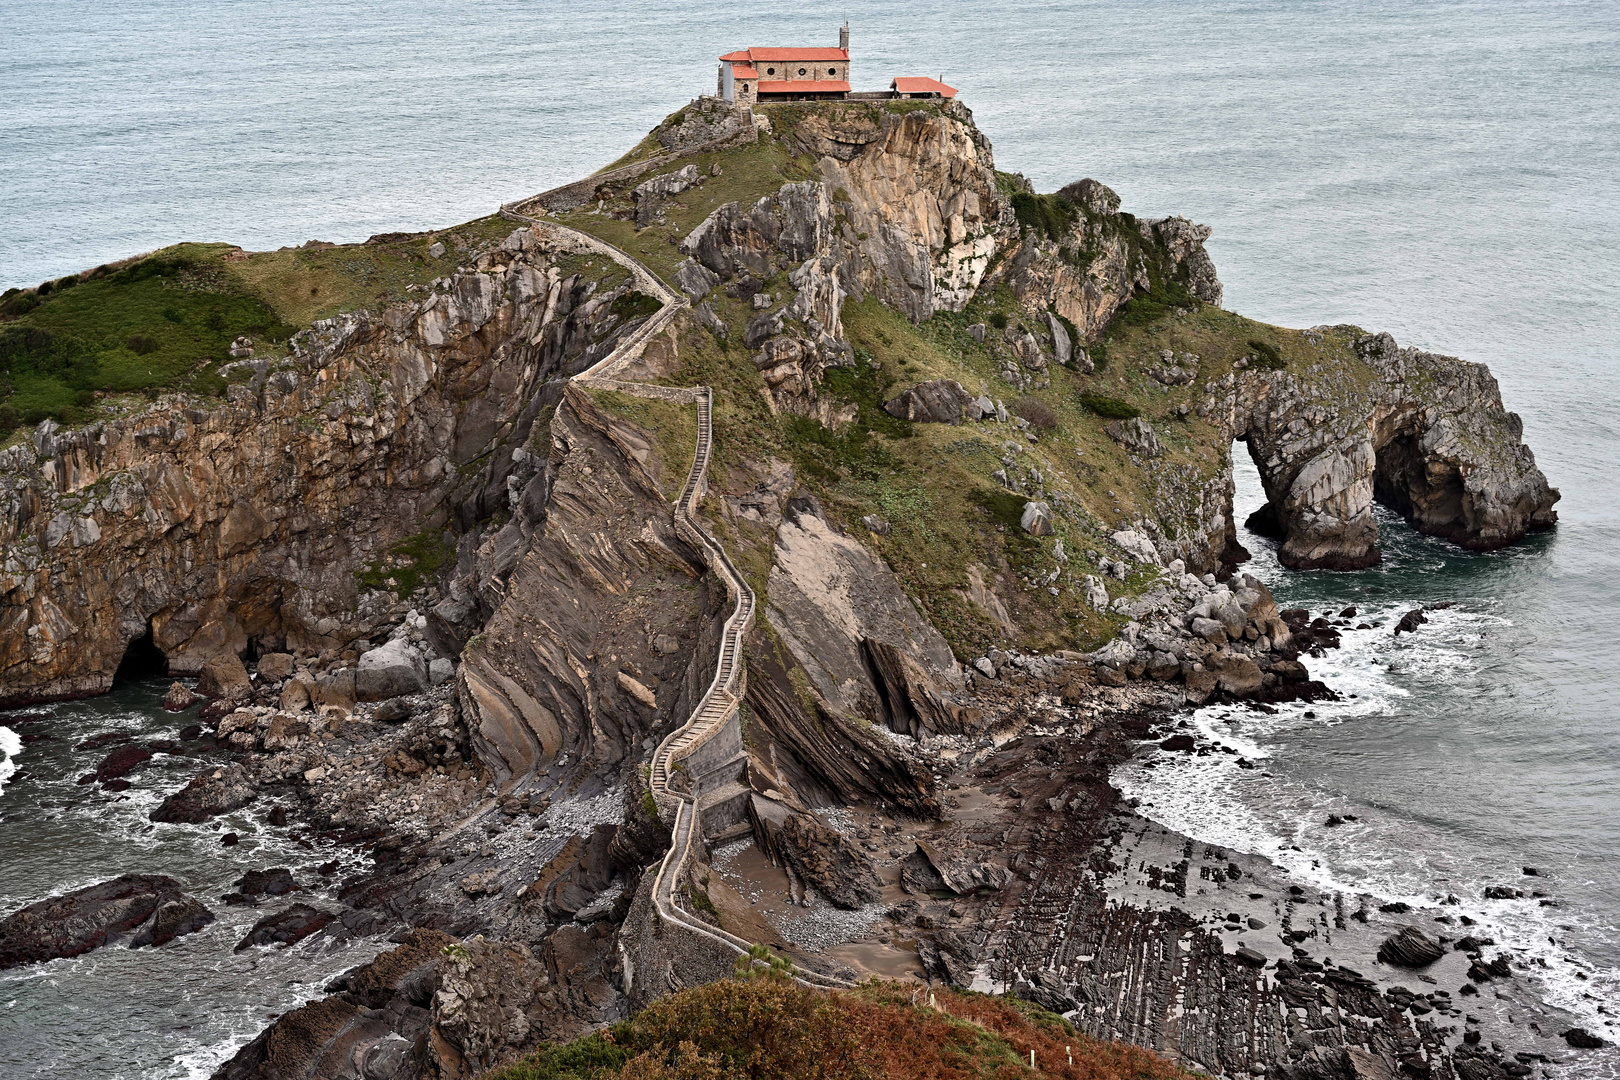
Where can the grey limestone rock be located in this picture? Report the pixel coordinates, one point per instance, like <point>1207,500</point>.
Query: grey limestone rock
<point>940,401</point>
<point>390,670</point>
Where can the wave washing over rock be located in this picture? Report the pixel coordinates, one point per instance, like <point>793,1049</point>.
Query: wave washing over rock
<point>953,532</point>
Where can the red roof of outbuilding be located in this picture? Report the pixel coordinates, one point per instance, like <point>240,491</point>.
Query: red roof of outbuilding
<point>803,86</point>
<point>741,71</point>
<point>782,56</point>
<point>906,85</point>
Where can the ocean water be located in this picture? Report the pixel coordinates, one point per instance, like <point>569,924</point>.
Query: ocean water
<point>1445,171</point>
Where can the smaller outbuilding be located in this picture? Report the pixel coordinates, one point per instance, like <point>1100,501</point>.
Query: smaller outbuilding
<point>908,87</point>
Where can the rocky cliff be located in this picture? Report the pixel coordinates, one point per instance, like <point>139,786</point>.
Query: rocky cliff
<point>956,422</point>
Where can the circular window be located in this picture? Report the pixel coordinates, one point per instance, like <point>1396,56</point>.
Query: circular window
<point>770,71</point>
<point>832,71</point>
<point>801,71</point>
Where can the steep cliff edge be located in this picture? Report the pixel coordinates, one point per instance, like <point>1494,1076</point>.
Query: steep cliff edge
<point>953,419</point>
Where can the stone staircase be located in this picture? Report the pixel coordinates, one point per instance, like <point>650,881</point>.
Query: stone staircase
<point>717,709</point>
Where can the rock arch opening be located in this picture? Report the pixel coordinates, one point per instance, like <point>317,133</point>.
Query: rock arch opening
<point>1426,492</point>
<point>142,660</point>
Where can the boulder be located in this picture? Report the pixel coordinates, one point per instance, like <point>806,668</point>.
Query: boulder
<point>176,915</point>
<point>940,401</point>
<point>1581,1039</point>
<point>823,857</point>
<point>225,678</point>
<point>295,696</point>
<point>1135,435</point>
<point>1410,622</point>
<point>285,732</point>
<point>286,927</point>
<point>395,711</point>
<point>276,666</point>
<point>1137,546</point>
<point>121,762</point>
<point>390,670</point>
<point>441,670</point>
<point>1410,947</point>
<point>1037,519</point>
<point>208,794</point>
<point>1062,347</point>
<point>1249,957</point>
<point>1239,676</point>
<point>75,923</point>
<point>180,698</point>
<point>335,689</point>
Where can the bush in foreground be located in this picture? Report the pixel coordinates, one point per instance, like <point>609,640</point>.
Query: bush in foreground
<point>770,1029</point>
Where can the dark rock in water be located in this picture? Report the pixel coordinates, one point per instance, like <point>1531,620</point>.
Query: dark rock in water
<point>190,732</point>
<point>230,839</point>
<point>1471,943</point>
<point>117,785</point>
<point>1397,908</point>
<point>1530,871</point>
<point>1410,622</point>
<point>122,761</point>
<point>208,794</point>
<point>1348,613</point>
<point>82,920</point>
<point>286,927</point>
<point>329,868</point>
<point>180,698</point>
<point>1246,955</point>
<point>1581,1039</point>
<point>1334,819</point>
<point>278,816</point>
<point>1410,948</point>
<point>1502,892</point>
<point>1182,743</point>
<point>393,711</point>
<point>106,739</point>
<point>277,881</point>
<point>176,916</point>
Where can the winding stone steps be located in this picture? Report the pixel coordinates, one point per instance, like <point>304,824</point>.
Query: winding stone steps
<point>721,701</point>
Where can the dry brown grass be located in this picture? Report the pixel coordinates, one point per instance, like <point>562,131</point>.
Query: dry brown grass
<point>770,1030</point>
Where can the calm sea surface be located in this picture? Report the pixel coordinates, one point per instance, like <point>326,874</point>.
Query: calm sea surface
<point>1444,171</point>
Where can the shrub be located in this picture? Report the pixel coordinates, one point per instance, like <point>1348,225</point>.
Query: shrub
<point>1113,408</point>
<point>635,305</point>
<point>1037,412</point>
<point>142,344</point>
<point>18,303</point>
<point>1267,356</point>
<point>998,320</point>
<point>1049,214</point>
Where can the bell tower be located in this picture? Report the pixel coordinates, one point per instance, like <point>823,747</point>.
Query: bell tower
<point>843,37</point>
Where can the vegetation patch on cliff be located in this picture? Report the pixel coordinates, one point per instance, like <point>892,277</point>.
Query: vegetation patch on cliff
<point>770,1029</point>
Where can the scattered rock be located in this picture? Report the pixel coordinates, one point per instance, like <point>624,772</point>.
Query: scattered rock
<point>1037,519</point>
<point>224,678</point>
<point>1410,622</point>
<point>230,839</point>
<point>1135,435</point>
<point>939,402</point>
<point>286,927</point>
<point>1248,956</point>
<point>180,698</point>
<point>388,671</point>
<point>208,794</point>
<point>276,666</point>
<point>1410,947</point>
<point>176,915</point>
<point>393,711</point>
<point>121,762</point>
<point>1581,1039</point>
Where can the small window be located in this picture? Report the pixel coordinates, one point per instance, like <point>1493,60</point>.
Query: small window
<point>801,71</point>
<point>832,71</point>
<point>770,71</point>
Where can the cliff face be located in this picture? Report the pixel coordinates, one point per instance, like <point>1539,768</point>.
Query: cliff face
<point>244,526</point>
<point>951,416</point>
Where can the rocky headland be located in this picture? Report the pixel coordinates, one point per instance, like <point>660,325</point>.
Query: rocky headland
<point>961,541</point>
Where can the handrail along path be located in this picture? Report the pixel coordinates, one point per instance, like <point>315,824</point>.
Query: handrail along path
<point>720,701</point>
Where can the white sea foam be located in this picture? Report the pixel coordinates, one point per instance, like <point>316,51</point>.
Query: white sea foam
<point>10,747</point>
<point>1386,856</point>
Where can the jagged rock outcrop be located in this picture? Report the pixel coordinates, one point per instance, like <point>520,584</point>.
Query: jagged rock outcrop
<point>1424,434</point>
<point>212,525</point>
<point>72,924</point>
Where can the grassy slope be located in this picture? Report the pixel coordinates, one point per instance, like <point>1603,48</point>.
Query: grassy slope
<point>767,1030</point>
<point>932,483</point>
<point>166,320</point>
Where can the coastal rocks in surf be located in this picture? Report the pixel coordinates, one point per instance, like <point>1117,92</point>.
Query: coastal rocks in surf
<point>180,698</point>
<point>286,927</point>
<point>150,904</point>
<point>208,794</point>
<point>1410,947</point>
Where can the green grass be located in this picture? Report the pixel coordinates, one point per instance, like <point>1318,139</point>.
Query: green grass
<point>415,561</point>
<point>672,425</point>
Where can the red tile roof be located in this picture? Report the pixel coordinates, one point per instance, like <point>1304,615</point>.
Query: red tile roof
<point>905,85</point>
<point>783,56</point>
<point>803,86</point>
<point>739,71</point>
